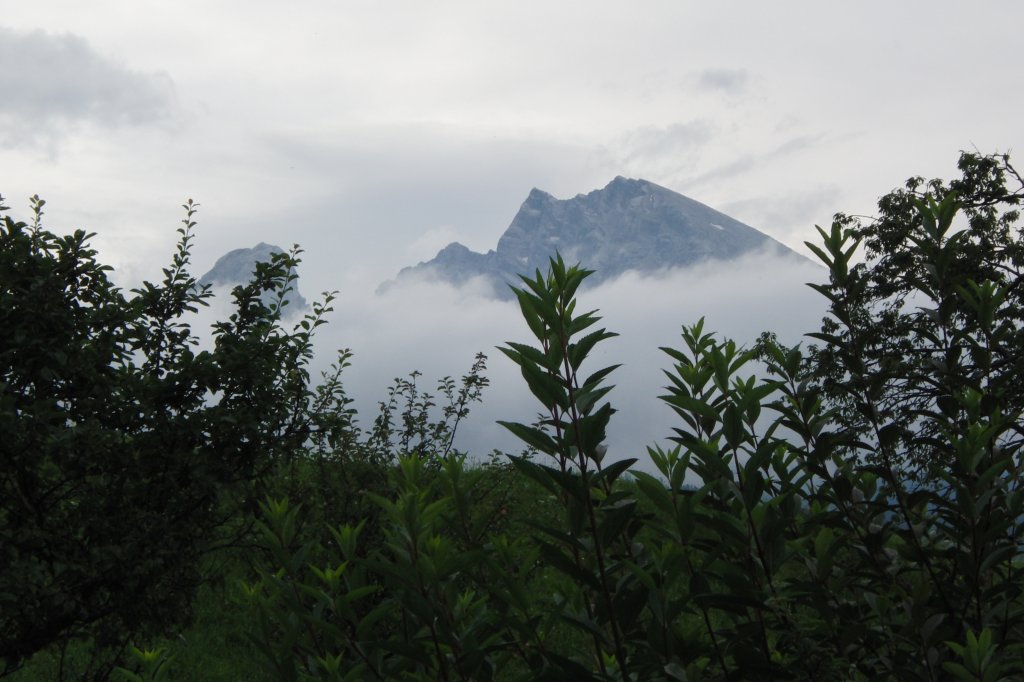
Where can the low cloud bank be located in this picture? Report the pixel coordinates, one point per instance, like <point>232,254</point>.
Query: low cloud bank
<point>437,328</point>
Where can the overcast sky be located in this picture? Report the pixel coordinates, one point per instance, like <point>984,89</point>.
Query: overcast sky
<point>373,133</point>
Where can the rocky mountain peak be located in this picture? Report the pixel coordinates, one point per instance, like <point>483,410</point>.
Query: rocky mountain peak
<point>629,224</point>
<point>237,266</point>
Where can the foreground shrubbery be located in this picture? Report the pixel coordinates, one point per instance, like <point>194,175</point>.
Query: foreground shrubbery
<point>851,511</point>
<point>126,457</point>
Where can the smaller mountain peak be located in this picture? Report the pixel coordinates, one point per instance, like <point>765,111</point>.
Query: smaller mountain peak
<point>237,266</point>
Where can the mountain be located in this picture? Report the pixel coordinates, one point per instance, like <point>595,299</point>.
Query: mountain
<point>628,225</point>
<point>237,266</point>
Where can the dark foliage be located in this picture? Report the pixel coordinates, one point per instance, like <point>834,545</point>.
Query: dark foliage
<point>125,453</point>
<point>936,308</point>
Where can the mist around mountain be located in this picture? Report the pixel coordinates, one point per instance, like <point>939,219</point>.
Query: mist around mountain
<point>660,260</point>
<point>436,327</point>
<point>629,225</point>
<point>237,266</point>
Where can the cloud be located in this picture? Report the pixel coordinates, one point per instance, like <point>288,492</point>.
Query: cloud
<point>739,299</point>
<point>790,215</point>
<point>749,162</point>
<point>427,245</point>
<point>61,82</point>
<point>663,151</point>
<point>436,329</point>
<point>730,81</point>
<point>362,190</point>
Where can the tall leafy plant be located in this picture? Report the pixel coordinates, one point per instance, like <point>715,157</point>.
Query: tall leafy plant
<point>572,431</point>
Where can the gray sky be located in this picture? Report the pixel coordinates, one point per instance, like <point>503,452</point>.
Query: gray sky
<point>373,133</point>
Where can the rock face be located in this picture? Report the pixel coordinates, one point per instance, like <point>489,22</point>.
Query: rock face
<point>628,225</point>
<point>237,266</point>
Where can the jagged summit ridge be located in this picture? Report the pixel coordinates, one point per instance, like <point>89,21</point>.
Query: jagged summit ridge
<point>627,225</point>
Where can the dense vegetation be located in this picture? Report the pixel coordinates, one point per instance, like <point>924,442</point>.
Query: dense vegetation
<point>851,510</point>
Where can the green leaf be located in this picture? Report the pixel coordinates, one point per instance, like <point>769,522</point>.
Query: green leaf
<point>579,350</point>
<point>564,563</point>
<point>615,520</point>
<point>520,353</point>
<point>654,490</point>
<point>545,387</point>
<point>540,474</point>
<point>686,403</point>
<point>533,437</point>
<point>597,376</point>
<point>612,471</point>
<point>733,427</point>
<point>585,398</point>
